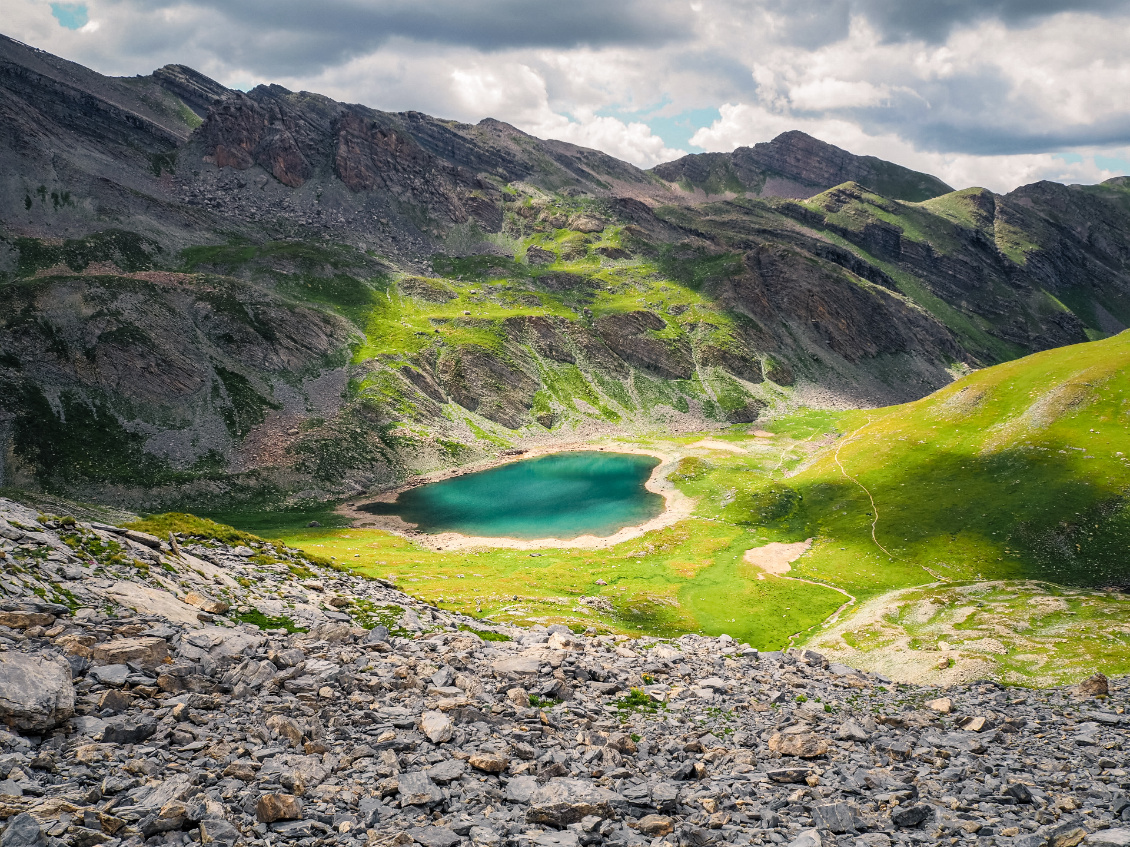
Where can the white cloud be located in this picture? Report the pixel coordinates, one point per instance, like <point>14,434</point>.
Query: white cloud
<point>974,92</point>
<point>828,94</point>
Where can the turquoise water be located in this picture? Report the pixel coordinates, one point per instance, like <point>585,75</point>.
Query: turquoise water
<point>562,495</point>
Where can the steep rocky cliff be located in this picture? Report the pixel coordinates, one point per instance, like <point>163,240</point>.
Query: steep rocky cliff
<point>274,295</point>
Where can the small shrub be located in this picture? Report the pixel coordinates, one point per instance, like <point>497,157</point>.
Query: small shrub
<point>637,700</point>
<point>485,634</point>
<point>257,618</point>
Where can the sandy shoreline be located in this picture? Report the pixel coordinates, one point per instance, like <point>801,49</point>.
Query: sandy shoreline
<point>677,506</point>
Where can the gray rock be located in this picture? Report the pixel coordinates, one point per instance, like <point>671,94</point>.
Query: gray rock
<point>850,730</point>
<point>112,675</point>
<point>36,693</point>
<point>521,665</point>
<point>376,635</point>
<point>219,643</point>
<point>434,836</point>
<point>807,838</point>
<point>788,775</point>
<point>1110,838</point>
<point>484,836</point>
<point>908,816</point>
<point>837,817</point>
<point>23,831</point>
<point>128,729</point>
<point>436,726</point>
<point>564,838</point>
<point>447,771</point>
<point>520,789</point>
<point>417,789</point>
<point>218,831</point>
<point>563,801</point>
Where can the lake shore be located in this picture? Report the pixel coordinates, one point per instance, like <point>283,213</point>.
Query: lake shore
<point>677,506</point>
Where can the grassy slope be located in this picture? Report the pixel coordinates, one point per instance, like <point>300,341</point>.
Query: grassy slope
<point>1015,473</point>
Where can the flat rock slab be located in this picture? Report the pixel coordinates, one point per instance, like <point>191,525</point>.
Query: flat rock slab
<point>153,601</point>
<point>221,643</point>
<point>1110,838</point>
<point>434,836</point>
<point>789,775</point>
<point>522,665</point>
<point>563,801</point>
<point>147,651</point>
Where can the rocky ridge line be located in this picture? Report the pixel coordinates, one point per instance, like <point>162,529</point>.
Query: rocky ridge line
<point>168,723</point>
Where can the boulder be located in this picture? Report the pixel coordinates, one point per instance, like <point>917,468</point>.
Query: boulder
<point>278,807</point>
<point>804,745</point>
<point>563,801</point>
<point>1093,686</point>
<point>147,651</point>
<point>36,694</point>
<point>437,726</point>
<point>23,831</point>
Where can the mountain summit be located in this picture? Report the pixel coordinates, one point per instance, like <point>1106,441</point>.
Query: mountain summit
<point>795,165</point>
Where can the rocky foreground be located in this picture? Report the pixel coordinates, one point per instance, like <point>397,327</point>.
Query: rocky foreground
<point>140,712</point>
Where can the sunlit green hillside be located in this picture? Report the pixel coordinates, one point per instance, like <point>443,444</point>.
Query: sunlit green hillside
<point>1021,470</point>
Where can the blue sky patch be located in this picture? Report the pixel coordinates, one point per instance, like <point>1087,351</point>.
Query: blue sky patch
<point>70,15</point>
<point>675,130</point>
<point>1118,164</point>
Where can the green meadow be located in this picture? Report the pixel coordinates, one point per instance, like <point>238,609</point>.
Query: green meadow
<point>1016,472</point>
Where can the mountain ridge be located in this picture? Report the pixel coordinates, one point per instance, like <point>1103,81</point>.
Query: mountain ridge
<point>472,288</point>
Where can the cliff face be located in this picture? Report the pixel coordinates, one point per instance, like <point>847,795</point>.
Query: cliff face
<point>392,292</point>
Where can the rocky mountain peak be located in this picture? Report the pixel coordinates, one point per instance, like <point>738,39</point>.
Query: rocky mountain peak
<point>796,165</point>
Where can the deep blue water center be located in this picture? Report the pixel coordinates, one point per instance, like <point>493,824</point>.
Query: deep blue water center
<point>562,495</point>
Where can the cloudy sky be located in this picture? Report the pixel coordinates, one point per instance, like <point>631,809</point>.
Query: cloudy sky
<point>979,92</point>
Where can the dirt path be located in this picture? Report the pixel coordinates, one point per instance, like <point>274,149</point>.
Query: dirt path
<point>843,470</point>
<point>874,508</point>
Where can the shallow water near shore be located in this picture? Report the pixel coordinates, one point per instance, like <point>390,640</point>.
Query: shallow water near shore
<point>562,495</point>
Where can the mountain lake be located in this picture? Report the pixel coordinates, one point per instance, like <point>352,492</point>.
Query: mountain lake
<point>562,495</point>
